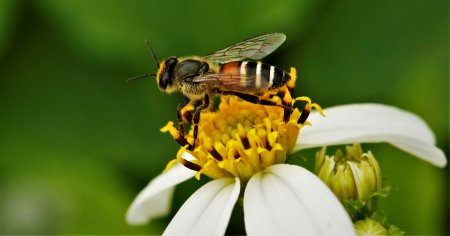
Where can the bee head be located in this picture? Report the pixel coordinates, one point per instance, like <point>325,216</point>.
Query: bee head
<point>166,75</point>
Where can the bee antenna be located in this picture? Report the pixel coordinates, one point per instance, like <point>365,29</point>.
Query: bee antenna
<point>150,49</point>
<point>140,77</point>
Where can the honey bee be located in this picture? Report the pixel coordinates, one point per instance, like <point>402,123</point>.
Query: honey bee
<point>231,71</point>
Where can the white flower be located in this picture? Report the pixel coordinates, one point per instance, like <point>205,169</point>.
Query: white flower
<point>285,199</point>
<point>372,123</point>
<point>281,200</point>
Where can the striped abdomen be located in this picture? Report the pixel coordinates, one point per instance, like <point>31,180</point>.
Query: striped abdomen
<point>255,76</point>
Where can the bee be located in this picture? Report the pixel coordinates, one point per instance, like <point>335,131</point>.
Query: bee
<point>234,70</point>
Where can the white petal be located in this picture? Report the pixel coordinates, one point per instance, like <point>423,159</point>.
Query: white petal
<point>372,123</point>
<point>289,200</point>
<point>155,200</point>
<point>208,210</point>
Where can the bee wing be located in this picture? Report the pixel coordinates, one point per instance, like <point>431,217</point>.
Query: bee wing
<point>231,82</point>
<point>254,48</point>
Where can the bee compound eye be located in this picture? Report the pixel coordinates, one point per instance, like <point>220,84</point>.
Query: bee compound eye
<point>165,80</point>
<point>167,76</point>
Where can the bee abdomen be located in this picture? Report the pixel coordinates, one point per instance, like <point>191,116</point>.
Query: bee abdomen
<point>256,75</point>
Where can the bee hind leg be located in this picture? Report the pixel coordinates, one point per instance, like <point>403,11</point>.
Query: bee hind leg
<point>263,100</point>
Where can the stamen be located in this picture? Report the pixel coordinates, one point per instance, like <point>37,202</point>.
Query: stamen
<point>215,154</point>
<point>303,116</point>
<point>190,165</point>
<point>175,134</point>
<point>236,155</point>
<point>245,142</point>
<point>268,146</point>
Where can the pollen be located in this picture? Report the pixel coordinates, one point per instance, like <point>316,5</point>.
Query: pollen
<point>240,138</point>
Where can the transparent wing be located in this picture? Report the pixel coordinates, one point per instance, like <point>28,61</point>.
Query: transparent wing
<point>254,48</point>
<point>229,82</point>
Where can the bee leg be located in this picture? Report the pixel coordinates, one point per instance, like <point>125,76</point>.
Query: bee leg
<point>181,139</point>
<point>288,109</point>
<point>187,115</point>
<point>187,111</point>
<point>180,107</point>
<point>196,118</point>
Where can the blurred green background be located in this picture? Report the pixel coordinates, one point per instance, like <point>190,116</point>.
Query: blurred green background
<point>77,143</point>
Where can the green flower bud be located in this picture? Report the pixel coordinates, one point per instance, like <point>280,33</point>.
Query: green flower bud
<point>351,176</point>
<point>370,226</point>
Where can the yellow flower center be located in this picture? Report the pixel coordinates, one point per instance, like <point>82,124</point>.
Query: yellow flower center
<point>240,138</point>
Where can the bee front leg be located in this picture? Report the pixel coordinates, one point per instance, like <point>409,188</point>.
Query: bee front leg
<point>181,139</point>
<point>196,118</point>
<point>187,112</point>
